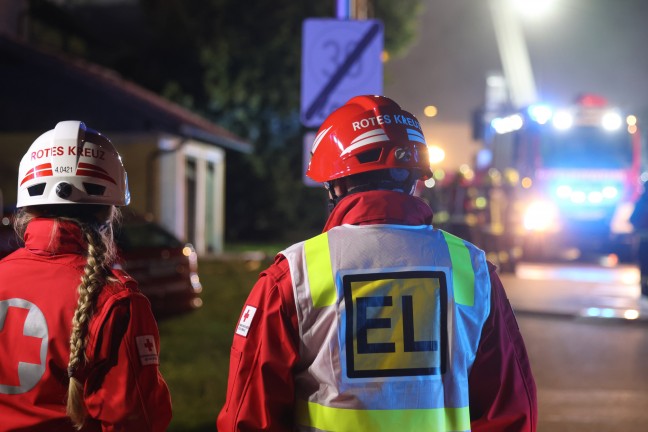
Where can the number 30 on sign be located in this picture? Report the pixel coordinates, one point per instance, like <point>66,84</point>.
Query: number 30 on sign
<point>340,59</point>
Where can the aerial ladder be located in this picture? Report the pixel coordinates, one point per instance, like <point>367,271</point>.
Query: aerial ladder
<point>514,55</point>
<point>515,89</point>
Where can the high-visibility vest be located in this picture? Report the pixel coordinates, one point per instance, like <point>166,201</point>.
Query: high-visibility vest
<point>390,318</point>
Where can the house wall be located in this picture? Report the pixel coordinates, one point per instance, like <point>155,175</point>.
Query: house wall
<point>136,151</point>
<point>192,192</point>
<point>179,183</point>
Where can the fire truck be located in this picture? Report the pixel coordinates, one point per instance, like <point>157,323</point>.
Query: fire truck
<point>561,182</point>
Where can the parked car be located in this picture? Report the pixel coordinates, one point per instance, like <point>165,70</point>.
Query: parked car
<point>8,238</point>
<point>165,268</point>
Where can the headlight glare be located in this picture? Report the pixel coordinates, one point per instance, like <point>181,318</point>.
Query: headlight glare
<point>540,216</point>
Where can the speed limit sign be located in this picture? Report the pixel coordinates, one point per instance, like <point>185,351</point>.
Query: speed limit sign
<point>340,59</point>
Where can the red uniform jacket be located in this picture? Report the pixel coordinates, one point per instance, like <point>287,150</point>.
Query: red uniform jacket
<point>260,390</point>
<point>123,388</point>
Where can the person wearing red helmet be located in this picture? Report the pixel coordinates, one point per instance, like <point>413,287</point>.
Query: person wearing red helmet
<point>381,322</point>
<point>79,341</point>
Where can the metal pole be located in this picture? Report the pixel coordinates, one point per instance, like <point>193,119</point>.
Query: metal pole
<point>361,9</point>
<point>343,9</point>
<point>352,9</point>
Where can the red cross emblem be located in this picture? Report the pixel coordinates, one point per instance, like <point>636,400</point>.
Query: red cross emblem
<point>149,345</point>
<point>146,349</point>
<point>21,348</point>
<point>246,320</point>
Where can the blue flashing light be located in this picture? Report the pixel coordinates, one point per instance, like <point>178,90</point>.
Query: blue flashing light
<point>582,194</point>
<point>507,124</point>
<point>578,197</point>
<point>564,191</point>
<point>563,120</point>
<point>540,114</point>
<point>593,312</point>
<point>610,192</point>
<point>611,121</point>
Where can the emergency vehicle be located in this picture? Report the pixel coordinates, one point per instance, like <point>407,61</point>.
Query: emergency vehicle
<point>561,182</point>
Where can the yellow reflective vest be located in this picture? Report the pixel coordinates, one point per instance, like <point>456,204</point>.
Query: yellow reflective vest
<point>390,318</point>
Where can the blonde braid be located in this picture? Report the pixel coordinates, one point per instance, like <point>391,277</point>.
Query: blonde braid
<point>96,223</point>
<point>93,279</point>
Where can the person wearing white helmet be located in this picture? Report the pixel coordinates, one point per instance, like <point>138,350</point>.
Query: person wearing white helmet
<point>80,343</point>
<point>381,322</point>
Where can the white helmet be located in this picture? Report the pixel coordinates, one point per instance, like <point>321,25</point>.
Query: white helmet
<point>72,164</point>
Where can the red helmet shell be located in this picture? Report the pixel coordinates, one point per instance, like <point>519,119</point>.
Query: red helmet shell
<point>368,133</point>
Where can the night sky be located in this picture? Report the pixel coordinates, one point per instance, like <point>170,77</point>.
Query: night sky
<point>598,46</point>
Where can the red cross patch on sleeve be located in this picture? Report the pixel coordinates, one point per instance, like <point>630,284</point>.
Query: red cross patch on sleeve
<point>246,320</point>
<point>147,351</point>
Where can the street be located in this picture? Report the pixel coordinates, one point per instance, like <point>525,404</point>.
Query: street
<point>586,333</point>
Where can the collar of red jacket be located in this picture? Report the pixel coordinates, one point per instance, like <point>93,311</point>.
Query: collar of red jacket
<point>379,207</point>
<point>41,239</point>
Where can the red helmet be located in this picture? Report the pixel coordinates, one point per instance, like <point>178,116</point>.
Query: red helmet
<point>368,133</point>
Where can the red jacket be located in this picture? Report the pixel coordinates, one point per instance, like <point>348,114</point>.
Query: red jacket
<point>123,388</point>
<point>260,390</point>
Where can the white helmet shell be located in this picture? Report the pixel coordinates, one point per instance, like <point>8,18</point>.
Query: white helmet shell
<point>72,164</point>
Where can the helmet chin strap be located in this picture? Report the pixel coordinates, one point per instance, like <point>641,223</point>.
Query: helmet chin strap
<point>333,197</point>
<point>395,186</point>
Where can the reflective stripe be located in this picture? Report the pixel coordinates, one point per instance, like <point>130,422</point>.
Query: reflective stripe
<point>463,276</point>
<point>322,285</point>
<point>319,267</point>
<point>34,337</point>
<point>339,419</point>
<point>320,272</point>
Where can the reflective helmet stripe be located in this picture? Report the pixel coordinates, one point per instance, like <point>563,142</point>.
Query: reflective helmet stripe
<point>368,133</point>
<point>77,158</point>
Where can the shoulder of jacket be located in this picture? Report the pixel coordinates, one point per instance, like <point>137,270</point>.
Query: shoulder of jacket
<point>119,288</point>
<point>279,269</point>
<point>120,285</point>
<point>124,278</point>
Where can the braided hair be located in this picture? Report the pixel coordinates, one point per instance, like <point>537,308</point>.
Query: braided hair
<point>96,223</point>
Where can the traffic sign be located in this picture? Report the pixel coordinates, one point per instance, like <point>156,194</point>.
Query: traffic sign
<point>340,59</point>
